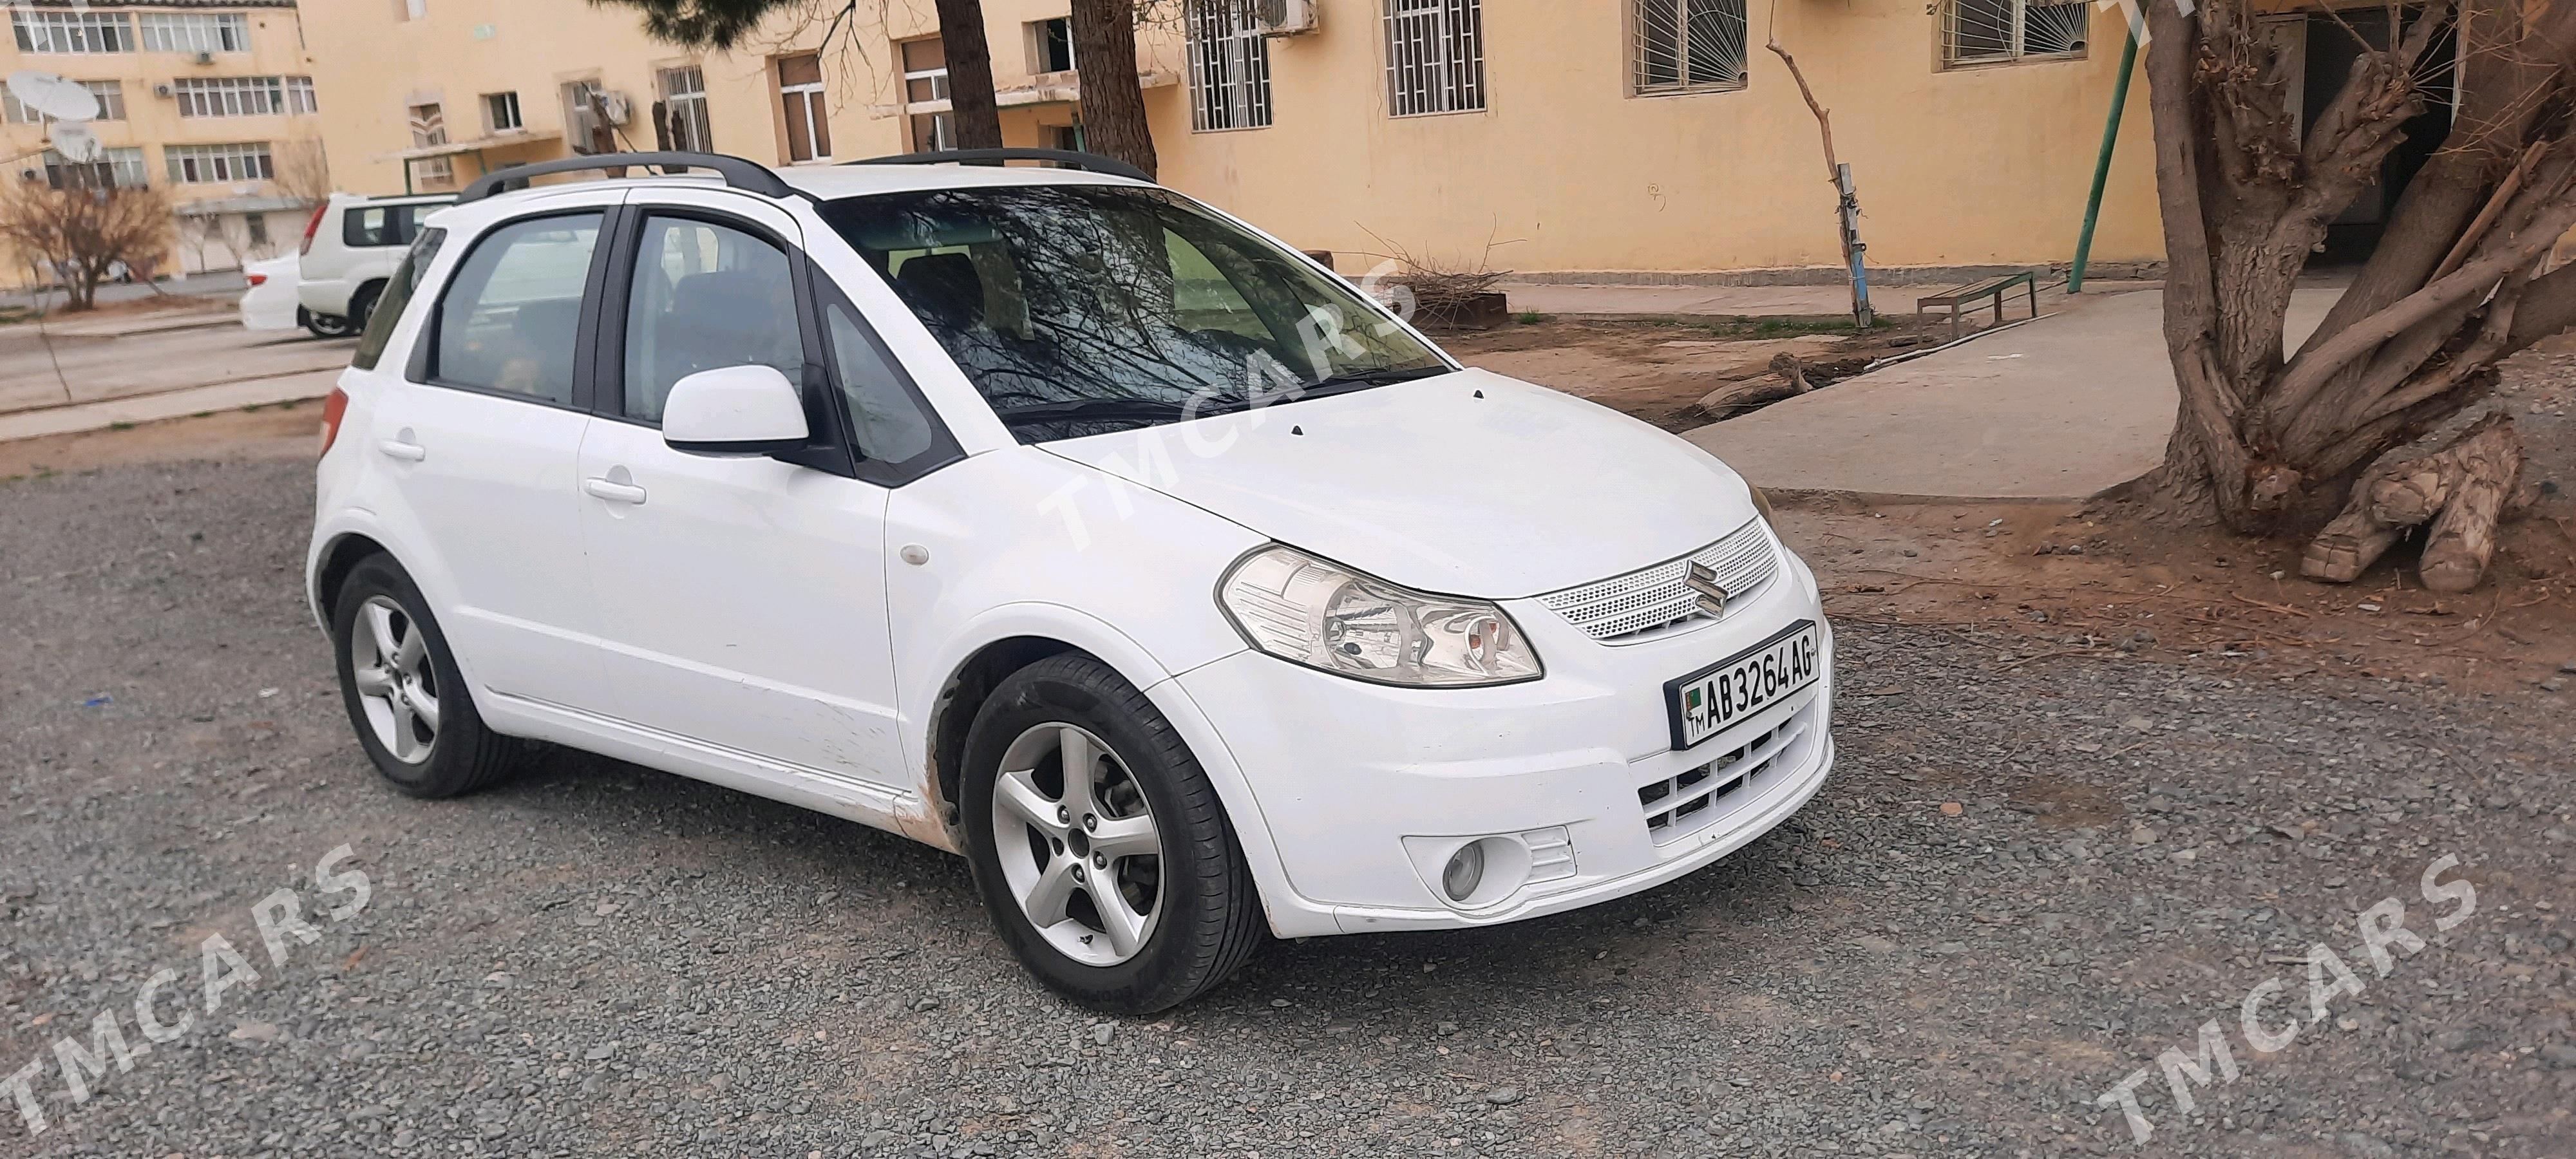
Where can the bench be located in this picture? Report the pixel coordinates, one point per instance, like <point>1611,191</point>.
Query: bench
<point>1968,295</point>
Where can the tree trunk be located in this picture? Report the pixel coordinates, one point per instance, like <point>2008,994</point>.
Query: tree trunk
<point>970,74</point>
<point>2462,489</point>
<point>1113,101</point>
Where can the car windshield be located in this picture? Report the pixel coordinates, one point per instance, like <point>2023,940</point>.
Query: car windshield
<point>1082,309</point>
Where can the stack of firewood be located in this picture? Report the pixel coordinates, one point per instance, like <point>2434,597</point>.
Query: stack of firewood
<point>2462,491</point>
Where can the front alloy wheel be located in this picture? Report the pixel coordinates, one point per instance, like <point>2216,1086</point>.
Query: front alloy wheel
<point>1098,843</point>
<point>1087,867</point>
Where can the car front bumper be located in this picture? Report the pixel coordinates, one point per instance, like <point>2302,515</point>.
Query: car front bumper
<point>1365,790</point>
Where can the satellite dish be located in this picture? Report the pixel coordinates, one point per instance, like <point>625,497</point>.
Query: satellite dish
<point>53,96</point>
<point>77,143</point>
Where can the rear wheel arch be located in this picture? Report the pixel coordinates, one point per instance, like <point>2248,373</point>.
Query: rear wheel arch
<point>343,555</point>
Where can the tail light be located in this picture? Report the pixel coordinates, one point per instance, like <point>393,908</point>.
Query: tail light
<point>258,280</point>
<point>313,227</point>
<point>334,409</point>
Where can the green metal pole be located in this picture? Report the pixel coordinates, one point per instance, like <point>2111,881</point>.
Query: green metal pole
<point>2102,165</point>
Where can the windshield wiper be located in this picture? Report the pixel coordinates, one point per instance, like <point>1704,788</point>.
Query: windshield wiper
<point>1377,376</point>
<point>1106,409</point>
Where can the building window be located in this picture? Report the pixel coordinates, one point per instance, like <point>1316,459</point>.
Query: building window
<point>809,116</point>
<point>72,32</point>
<point>1229,66</point>
<point>208,164</point>
<point>684,104</point>
<point>258,230</point>
<point>243,96</point>
<point>1435,56</point>
<point>1688,46</point>
<point>1997,31</point>
<point>925,95</point>
<point>586,126</point>
<point>111,104</point>
<point>501,112</point>
<point>122,169</point>
<point>1051,45</point>
<point>196,32</point>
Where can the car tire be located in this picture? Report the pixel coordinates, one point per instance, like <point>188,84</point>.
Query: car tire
<point>324,325</point>
<point>404,695</point>
<point>362,305</point>
<point>1201,916</point>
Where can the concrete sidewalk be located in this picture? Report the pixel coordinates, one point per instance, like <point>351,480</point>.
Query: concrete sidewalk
<point>93,416</point>
<point>2062,408</point>
<point>1621,301</point>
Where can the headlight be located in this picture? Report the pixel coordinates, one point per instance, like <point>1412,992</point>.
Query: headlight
<point>1322,615</point>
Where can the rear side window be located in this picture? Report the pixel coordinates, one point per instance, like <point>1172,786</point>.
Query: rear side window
<point>511,317</point>
<point>381,226</point>
<point>398,292</point>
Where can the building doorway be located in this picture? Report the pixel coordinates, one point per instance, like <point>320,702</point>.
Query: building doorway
<point>2317,54</point>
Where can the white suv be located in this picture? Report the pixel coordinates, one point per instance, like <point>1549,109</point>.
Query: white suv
<point>1055,519</point>
<point>351,246</point>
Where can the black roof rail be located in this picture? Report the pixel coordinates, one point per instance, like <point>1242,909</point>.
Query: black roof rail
<point>740,173</point>
<point>1088,162</point>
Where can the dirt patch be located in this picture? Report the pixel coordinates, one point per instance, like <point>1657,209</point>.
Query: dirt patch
<point>280,431</point>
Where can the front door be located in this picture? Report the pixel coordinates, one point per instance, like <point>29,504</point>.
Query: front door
<point>741,599</point>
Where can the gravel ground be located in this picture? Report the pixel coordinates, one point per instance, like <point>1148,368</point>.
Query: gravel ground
<point>2025,880</point>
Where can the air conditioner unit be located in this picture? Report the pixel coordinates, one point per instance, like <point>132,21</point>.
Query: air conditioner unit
<point>616,108</point>
<point>205,58</point>
<point>165,92</point>
<point>1284,17</point>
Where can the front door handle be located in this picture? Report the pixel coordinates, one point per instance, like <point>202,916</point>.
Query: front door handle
<point>406,451</point>
<point>612,491</point>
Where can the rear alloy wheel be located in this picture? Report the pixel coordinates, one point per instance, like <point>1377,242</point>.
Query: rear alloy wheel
<point>1098,843</point>
<point>404,694</point>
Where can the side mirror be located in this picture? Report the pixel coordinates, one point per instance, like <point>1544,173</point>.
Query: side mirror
<point>738,410</point>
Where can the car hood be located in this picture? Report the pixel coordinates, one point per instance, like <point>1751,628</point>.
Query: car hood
<point>1467,484</point>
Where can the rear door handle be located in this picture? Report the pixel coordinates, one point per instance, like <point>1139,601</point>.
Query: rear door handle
<point>407,452</point>
<point>613,492</point>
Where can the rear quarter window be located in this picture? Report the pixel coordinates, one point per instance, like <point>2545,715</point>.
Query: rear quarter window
<point>397,295</point>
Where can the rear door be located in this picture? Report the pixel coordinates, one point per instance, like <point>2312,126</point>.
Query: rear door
<point>742,598</point>
<point>480,439</point>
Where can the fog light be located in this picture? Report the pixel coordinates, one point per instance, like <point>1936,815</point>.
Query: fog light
<point>1466,871</point>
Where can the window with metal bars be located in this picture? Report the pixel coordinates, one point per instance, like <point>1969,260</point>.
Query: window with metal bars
<point>1435,56</point>
<point>2000,31</point>
<point>684,103</point>
<point>1687,46</point>
<point>1229,67</point>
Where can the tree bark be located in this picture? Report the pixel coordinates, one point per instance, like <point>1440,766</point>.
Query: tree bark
<point>2463,489</point>
<point>2464,534</point>
<point>1113,100</point>
<point>970,74</point>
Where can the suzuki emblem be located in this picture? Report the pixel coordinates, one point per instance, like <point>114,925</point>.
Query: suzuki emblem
<point>1712,595</point>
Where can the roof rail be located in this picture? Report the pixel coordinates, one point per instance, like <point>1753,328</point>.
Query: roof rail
<point>1089,162</point>
<point>749,176</point>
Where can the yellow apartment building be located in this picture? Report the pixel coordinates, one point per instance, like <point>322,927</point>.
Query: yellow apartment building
<point>1628,139</point>
<point>211,101</point>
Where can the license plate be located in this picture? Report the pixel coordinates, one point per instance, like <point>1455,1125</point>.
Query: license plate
<point>1711,700</point>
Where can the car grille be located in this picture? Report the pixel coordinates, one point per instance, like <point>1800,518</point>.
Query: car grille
<point>1683,804</point>
<point>1640,602</point>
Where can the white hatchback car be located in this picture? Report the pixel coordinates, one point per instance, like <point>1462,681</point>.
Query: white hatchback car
<point>1050,517</point>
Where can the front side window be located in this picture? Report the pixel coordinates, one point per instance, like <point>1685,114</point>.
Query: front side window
<point>512,314</point>
<point>1435,56</point>
<point>1081,309</point>
<point>2001,31</point>
<point>1229,66</point>
<point>888,424</point>
<point>1687,46</point>
<point>397,294</point>
<point>706,297</point>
